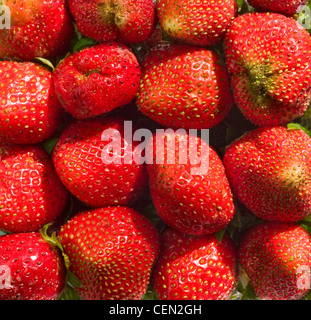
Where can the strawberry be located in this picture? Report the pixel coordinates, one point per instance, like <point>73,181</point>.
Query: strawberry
<point>202,23</point>
<point>84,162</point>
<point>127,21</point>
<point>269,170</point>
<point>268,58</point>
<point>30,268</point>
<point>97,79</point>
<point>111,251</point>
<point>188,185</point>
<point>286,7</point>
<point>29,109</point>
<point>40,28</point>
<point>31,193</point>
<point>184,87</point>
<point>275,256</point>
<point>195,267</point>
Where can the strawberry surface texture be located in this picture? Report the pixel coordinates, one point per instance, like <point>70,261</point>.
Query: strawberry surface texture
<point>155,150</point>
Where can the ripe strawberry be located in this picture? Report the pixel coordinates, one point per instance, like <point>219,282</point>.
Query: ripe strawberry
<point>188,184</point>
<point>269,170</point>
<point>184,87</point>
<point>91,171</point>
<point>97,80</point>
<point>127,21</point>
<point>202,23</point>
<point>31,193</point>
<point>286,7</point>
<point>30,268</point>
<point>268,58</point>
<point>40,28</point>
<point>275,255</point>
<point>195,267</point>
<point>29,109</point>
<point>111,251</point>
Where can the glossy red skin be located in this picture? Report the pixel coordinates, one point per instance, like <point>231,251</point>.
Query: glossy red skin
<point>271,253</point>
<point>38,29</point>
<point>111,251</point>
<point>269,88</point>
<point>286,7</point>
<point>184,87</point>
<point>29,111</point>
<point>126,21</point>
<point>194,203</point>
<point>97,80</point>
<point>200,23</point>
<point>195,267</point>
<point>36,268</point>
<point>78,159</point>
<point>269,170</point>
<point>31,194</point>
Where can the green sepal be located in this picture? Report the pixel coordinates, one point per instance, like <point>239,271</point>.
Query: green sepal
<point>220,234</point>
<point>83,43</point>
<point>54,240</point>
<point>48,145</point>
<point>69,293</point>
<point>249,293</point>
<point>297,126</point>
<point>45,62</point>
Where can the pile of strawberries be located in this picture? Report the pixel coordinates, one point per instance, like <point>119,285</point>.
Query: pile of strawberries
<point>82,220</point>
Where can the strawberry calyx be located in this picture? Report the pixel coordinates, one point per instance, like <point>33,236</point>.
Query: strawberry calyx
<point>109,11</point>
<point>297,126</point>
<point>52,239</point>
<point>46,63</point>
<point>260,76</point>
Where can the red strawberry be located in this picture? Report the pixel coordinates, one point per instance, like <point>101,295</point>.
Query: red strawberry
<point>97,80</point>
<point>128,21</point>
<point>40,28</point>
<point>31,193</point>
<point>269,170</point>
<point>275,256</point>
<point>111,251</point>
<point>200,22</point>
<point>30,268</point>
<point>184,87</point>
<point>195,267</point>
<point>286,7</point>
<point>190,194</point>
<point>29,109</point>
<point>268,58</point>
<point>84,163</point>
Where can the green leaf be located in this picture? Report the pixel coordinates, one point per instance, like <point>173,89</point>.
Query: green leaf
<point>306,225</point>
<point>220,234</point>
<point>249,293</point>
<point>307,218</point>
<point>49,145</point>
<point>53,240</point>
<point>244,7</point>
<point>73,280</point>
<point>3,233</point>
<point>83,43</point>
<point>240,4</point>
<point>297,126</point>
<point>307,296</point>
<point>69,293</point>
<point>46,62</point>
